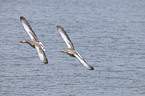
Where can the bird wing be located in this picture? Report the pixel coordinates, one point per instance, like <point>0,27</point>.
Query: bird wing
<point>41,54</point>
<point>65,37</point>
<point>28,29</point>
<point>77,55</point>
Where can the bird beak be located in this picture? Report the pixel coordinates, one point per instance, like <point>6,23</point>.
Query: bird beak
<point>62,50</point>
<point>20,41</point>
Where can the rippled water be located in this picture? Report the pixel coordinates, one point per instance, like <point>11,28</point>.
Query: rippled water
<point>109,34</point>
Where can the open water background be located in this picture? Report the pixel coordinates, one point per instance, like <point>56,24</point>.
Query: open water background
<point>109,34</point>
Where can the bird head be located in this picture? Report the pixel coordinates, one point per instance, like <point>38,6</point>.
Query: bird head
<point>23,41</point>
<point>63,51</point>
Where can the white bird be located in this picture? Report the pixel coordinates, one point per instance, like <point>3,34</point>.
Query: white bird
<point>71,51</point>
<point>34,40</point>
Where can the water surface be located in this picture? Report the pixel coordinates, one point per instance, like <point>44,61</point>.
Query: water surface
<point>109,34</point>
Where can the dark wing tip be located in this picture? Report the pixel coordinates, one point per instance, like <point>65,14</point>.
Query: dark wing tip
<point>21,18</point>
<point>91,68</point>
<point>46,62</point>
<point>59,27</point>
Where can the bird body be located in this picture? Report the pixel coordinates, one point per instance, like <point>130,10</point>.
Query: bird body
<point>71,50</point>
<point>34,40</point>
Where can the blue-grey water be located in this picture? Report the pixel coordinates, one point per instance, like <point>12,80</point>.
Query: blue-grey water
<point>109,34</point>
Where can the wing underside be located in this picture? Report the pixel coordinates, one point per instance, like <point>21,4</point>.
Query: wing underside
<point>41,54</point>
<point>65,37</point>
<point>83,62</point>
<point>28,29</point>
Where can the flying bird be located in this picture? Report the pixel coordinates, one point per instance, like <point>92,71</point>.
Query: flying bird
<point>71,50</point>
<point>34,40</point>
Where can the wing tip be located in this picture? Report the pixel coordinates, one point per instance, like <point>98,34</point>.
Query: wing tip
<point>91,68</point>
<point>22,18</point>
<point>45,62</point>
<point>59,27</point>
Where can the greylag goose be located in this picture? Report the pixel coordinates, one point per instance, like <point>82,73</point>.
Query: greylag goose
<point>71,50</point>
<point>34,40</point>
